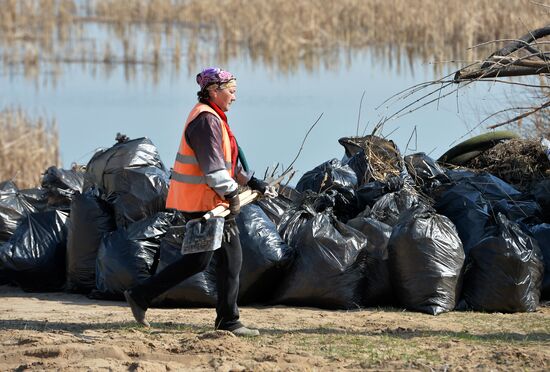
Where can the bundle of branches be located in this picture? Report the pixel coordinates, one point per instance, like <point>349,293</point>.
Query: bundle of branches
<point>527,55</point>
<point>381,155</point>
<point>520,162</point>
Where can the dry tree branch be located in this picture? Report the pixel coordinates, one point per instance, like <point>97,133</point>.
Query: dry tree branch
<point>415,134</point>
<point>522,62</point>
<point>527,45</point>
<point>536,34</point>
<point>504,66</point>
<point>390,133</point>
<point>530,37</point>
<point>497,65</point>
<point>494,42</point>
<point>444,84</point>
<point>519,117</point>
<point>289,168</point>
<point>514,83</point>
<point>378,126</point>
<point>382,120</point>
<point>403,94</point>
<point>503,111</point>
<point>400,113</point>
<point>359,114</point>
<point>406,93</point>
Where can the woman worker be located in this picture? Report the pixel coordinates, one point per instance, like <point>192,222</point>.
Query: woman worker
<point>206,175</point>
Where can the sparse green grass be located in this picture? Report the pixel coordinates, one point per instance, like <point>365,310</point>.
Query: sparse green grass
<point>372,349</point>
<point>379,339</point>
<point>427,344</point>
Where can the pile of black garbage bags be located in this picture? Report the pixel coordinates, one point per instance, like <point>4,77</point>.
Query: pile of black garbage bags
<point>427,239</point>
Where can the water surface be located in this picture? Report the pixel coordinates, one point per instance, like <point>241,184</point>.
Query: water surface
<point>271,116</point>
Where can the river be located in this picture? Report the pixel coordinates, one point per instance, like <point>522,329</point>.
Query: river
<point>271,116</point>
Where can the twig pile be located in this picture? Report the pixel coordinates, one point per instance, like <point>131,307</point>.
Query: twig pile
<point>519,162</point>
<point>382,155</point>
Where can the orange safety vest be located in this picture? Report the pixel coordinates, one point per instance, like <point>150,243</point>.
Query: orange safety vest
<point>188,191</point>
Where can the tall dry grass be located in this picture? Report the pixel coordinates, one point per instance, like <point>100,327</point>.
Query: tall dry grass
<point>34,31</point>
<point>283,34</point>
<point>292,32</point>
<point>28,146</point>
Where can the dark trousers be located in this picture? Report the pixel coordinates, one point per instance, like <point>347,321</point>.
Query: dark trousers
<point>228,267</point>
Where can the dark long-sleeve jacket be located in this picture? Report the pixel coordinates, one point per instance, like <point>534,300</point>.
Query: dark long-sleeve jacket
<point>204,135</point>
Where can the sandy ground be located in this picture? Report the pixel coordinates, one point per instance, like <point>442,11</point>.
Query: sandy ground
<point>60,331</point>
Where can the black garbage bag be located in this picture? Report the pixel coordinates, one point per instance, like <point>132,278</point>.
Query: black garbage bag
<point>295,218</point>
<point>370,192</point>
<point>376,288</point>
<point>327,271</point>
<point>389,207</point>
<point>13,206</point>
<point>198,290</point>
<point>128,256</point>
<point>526,211</point>
<point>504,271</point>
<point>425,171</point>
<point>343,204</point>
<point>61,185</point>
<point>541,193</point>
<point>266,257</point>
<point>34,256</point>
<point>132,177</point>
<point>144,194</point>
<point>492,187</point>
<point>360,165</point>
<point>469,211</point>
<point>329,175</point>
<point>471,201</point>
<point>459,174</point>
<point>91,219</point>
<point>8,186</point>
<point>38,198</point>
<point>276,207</point>
<point>542,234</point>
<point>425,261</point>
<point>103,167</point>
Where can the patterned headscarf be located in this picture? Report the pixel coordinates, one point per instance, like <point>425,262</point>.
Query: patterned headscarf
<point>214,75</point>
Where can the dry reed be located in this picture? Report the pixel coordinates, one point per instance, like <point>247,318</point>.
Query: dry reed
<point>283,34</point>
<point>27,147</point>
<point>287,33</point>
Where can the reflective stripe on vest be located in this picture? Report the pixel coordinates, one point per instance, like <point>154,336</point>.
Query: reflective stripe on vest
<point>188,159</point>
<point>188,189</point>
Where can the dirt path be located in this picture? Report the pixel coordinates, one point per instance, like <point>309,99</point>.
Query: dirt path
<point>59,331</point>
